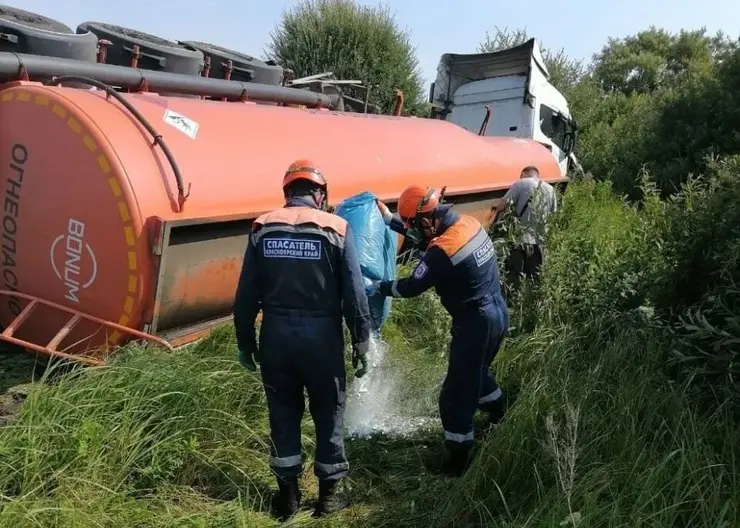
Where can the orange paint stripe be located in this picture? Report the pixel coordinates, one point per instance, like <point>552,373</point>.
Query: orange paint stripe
<point>89,143</point>
<point>114,337</point>
<point>132,283</point>
<point>103,164</point>
<point>59,111</point>
<point>130,238</point>
<point>74,125</point>
<point>128,306</point>
<point>123,211</point>
<point>114,187</point>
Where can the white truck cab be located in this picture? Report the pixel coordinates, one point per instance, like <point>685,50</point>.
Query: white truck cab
<point>514,84</point>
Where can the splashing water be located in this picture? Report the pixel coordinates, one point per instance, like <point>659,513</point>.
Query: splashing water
<point>373,400</point>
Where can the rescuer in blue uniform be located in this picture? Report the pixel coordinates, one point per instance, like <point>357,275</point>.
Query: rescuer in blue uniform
<point>460,262</point>
<point>301,269</point>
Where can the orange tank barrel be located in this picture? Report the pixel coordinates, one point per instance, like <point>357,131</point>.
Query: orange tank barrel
<point>91,218</point>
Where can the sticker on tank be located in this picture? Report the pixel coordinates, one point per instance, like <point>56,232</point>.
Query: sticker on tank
<point>184,124</point>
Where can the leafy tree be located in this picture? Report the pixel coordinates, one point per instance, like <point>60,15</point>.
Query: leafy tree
<point>654,59</point>
<point>667,105</point>
<point>354,42</point>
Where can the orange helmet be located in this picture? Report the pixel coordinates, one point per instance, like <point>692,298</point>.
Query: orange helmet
<point>303,170</point>
<point>416,200</point>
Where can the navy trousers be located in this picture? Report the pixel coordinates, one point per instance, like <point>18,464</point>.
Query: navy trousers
<point>470,385</point>
<point>299,351</point>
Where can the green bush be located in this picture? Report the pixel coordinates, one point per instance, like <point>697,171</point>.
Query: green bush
<point>625,408</point>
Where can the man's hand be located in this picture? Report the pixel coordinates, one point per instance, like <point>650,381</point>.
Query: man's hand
<point>247,360</point>
<point>359,356</point>
<point>384,212</point>
<point>499,204</point>
<point>372,289</point>
<point>491,218</point>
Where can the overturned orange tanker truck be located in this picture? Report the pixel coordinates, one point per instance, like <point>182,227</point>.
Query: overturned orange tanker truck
<point>125,215</point>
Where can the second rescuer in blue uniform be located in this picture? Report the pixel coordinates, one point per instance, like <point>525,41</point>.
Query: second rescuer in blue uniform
<point>302,270</point>
<point>460,262</point>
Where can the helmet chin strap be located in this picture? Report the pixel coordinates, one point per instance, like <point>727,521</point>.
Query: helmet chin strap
<point>321,199</point>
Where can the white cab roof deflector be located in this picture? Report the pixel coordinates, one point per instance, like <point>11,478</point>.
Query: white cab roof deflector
<point>454,69</point>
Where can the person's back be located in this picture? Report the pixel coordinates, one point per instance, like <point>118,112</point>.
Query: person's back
<point>473,270</point>
<point>300,268</point>
<point>533,201</point>
<point>299,260</point>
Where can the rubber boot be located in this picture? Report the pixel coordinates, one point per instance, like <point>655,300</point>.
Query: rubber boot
<point>457,462</point>
<point>498,410</point>
<point>287,500</point>
<point>330,500</point>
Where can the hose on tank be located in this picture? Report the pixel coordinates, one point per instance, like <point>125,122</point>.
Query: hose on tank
<point>158,139</point>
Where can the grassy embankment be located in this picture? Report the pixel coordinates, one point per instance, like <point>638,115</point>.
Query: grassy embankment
<point>614,422</point>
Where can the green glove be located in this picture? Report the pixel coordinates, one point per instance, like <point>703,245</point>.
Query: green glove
<point>415,237</point>
<point>247,360</point>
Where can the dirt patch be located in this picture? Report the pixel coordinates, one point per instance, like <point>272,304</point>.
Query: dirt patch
<point>17,368</point>
<point>10,403</point>
<point>8,409</point>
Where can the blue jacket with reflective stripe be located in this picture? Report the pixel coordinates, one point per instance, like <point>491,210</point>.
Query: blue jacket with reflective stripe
<point>300,260</point>
<point>460,263</point>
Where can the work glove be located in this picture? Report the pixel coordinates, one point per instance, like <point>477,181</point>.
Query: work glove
<point>359,356</point>
<point>247,360</point>
<point>384,212</point>
<point>415,237</point>
<point>372,288</point>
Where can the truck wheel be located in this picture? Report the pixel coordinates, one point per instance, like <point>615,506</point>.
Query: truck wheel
<point>245,67</point>
<point>33,34</point>
<point>155,53</point>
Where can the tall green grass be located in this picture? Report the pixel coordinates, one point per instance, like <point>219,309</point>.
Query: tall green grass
<point>621,382</point>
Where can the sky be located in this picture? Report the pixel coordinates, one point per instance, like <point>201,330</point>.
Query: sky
<point>580,27</point>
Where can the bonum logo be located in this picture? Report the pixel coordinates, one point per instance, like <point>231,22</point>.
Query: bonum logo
<point>73,260</point>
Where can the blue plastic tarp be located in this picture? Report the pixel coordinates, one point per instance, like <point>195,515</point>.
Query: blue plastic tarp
<point>376,246</point>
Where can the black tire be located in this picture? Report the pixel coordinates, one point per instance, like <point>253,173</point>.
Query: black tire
<point>156,53</point>
<point>246,67</point>
<point>34,34</point>
<point>34,20</point>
